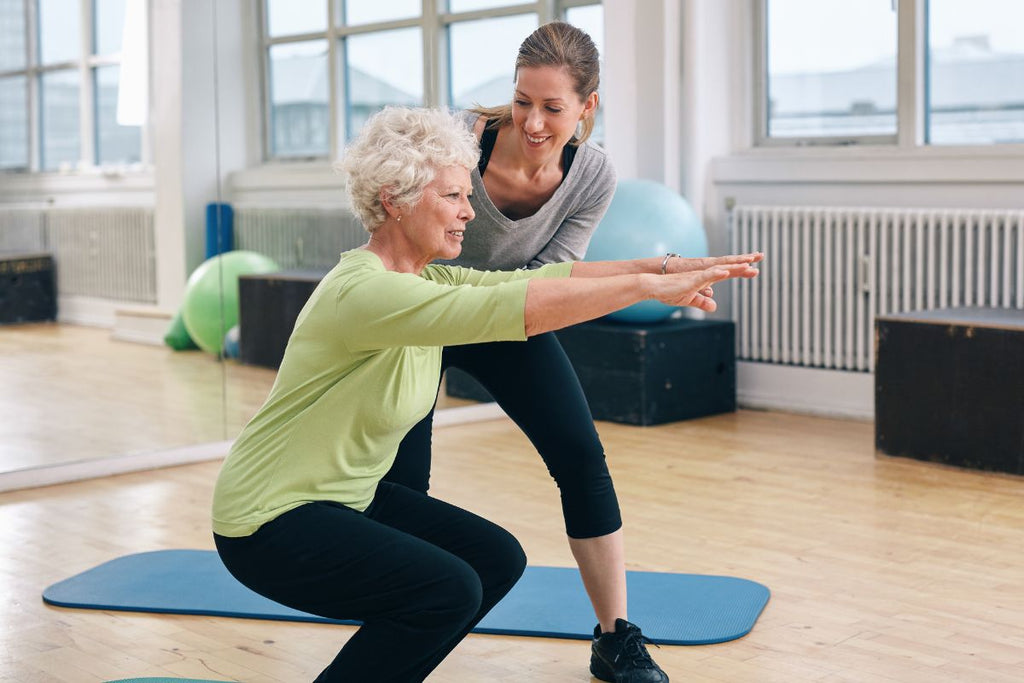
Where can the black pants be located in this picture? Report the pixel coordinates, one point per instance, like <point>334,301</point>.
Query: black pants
<point>418,572</point>
<point>536,386</point>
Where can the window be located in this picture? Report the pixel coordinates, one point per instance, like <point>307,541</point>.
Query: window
<point>59,97</point>
<point>975,72</point>
<point>839,72</point>
<point>330,64</point>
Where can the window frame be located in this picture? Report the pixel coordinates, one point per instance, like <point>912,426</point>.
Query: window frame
<point>434,21</point>
<point>911,88</point>
<point>86,65</point>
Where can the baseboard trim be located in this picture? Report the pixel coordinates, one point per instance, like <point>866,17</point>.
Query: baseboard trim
<point>830,393</point>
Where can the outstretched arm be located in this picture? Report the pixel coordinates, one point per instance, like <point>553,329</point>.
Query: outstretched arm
<point>602,287</point>
<point>675,264</point>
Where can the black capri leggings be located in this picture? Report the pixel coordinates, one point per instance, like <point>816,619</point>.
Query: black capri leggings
<point>418,572</point>
<point>536,386</point>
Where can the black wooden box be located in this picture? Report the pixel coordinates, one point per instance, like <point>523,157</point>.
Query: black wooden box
<point>268,305</point>
<point>644,374</point>
<point>949,387</point>
<point>28,288</point>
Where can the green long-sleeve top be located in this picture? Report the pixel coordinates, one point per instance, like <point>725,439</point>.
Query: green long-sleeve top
<point>360,369</point>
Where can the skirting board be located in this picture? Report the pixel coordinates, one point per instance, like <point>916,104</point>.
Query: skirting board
<point>832,393</point>
<point>142,325</point>
<point>186,455</point>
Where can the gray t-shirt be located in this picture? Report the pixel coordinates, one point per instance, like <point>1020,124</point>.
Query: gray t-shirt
<point>560,230</point>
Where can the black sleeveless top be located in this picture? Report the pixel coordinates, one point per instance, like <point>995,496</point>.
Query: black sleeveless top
<point>490,136</point>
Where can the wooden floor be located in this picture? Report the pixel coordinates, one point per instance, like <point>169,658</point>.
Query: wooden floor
<point>112,397</point>
<point>881,569</point>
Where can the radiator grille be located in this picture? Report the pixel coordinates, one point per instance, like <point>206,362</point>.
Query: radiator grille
<point>103,252</point>
<point>829,271</point>
<point>302,238</point>
<point>22,230</point>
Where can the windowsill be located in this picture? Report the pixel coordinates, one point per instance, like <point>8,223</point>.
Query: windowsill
<point>46,187</point>
<point>283,175</point>
<point>872,164</point>
<point>310,183</point>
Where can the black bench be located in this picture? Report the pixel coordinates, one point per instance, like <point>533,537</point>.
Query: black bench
<point>949,387</point>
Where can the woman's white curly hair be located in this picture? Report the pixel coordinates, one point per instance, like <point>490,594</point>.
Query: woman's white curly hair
<point>399,150</point>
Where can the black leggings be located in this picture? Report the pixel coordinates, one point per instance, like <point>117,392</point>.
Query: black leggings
<point>536,386</point>
<point>418,572</point>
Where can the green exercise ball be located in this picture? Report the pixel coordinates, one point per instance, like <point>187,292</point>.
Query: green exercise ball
<point>210,307</point>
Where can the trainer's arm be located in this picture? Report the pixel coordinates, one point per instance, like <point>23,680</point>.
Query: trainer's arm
<point>674,264</point>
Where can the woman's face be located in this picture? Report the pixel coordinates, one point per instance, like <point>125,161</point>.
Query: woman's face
<point>546,109</point>
<point>437,222</point>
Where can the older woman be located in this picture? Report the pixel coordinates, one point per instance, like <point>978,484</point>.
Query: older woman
<point>300,512</point>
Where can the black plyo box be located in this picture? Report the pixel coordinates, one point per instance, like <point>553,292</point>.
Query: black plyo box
<point>28,288</point>
<point>644,374</point>
<point>949,387</point>
<point>268,306</point>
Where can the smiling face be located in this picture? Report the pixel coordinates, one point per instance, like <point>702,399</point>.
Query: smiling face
<point>546,109</point>
<point>435,225</point>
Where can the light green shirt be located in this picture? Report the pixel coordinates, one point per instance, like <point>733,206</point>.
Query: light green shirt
<point>361,368</point>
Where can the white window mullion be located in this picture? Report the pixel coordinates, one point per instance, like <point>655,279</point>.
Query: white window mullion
<point>87,94</point>
<point>35,157</point>
<point>910,72</point>
<point>336,77</point>
<point>435,55</point>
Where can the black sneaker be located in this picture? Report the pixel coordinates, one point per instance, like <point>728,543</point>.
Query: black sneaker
<point>621,657</point>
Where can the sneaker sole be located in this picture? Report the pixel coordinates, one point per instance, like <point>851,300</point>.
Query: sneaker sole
<point>600,670</point>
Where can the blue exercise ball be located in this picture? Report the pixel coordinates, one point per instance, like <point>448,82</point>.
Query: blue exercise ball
<point>210,307</point>
<point>231,343</point>
<point>645,219</point>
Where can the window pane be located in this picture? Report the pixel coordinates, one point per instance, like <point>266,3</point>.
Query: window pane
<point>12,35</point>
<point>590,18</point>
<point>59,119</point>
<point>831,68</point>
<point>115,144</point>
<point>59,35</point>
<point>976,72</point>
<point>468,5</point>
<point>382,68</point>
<point>293,17</point>
<point>14,123</point>
<point>299,111</point>
<point>109,25</point>
<point>370,11</point>
<point>483,59</point>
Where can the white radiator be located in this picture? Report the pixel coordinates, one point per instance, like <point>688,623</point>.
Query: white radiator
<point>298,238</point>
<point>101,252</point>
<point>22,230</point>
<point>829,271</point>
<point>108,253</point>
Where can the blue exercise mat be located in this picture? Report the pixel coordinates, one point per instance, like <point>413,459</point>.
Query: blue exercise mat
<point>165,680</point>
<point>672,609</point>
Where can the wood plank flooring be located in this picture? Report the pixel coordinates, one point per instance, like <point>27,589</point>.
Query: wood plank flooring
<point>881,569</point>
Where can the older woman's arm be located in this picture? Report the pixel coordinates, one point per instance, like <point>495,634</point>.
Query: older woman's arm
<point>598,290</point>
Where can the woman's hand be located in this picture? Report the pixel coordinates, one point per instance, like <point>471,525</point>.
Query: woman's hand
<point>679,264</point>
<point>694,287</point>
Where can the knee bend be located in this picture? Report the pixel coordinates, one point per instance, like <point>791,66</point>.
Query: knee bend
<point>456,596</point>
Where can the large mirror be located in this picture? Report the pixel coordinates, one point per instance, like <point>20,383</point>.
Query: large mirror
<point>140,140</point>
<point>110,151</point>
